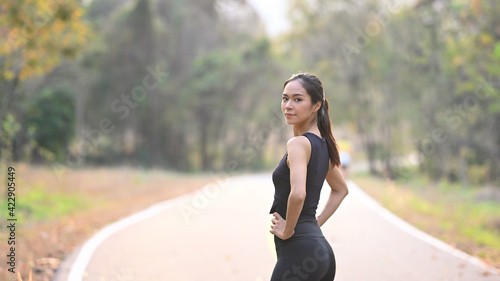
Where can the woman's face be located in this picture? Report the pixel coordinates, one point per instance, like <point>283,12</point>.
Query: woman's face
<point>296,104</point>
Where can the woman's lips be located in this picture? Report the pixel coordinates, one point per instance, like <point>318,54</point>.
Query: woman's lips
<point>289,115</point>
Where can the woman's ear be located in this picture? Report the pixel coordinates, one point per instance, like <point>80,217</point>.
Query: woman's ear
<point>317,106</point>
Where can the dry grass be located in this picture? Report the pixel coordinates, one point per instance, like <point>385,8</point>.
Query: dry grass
<point>30,276</point>
<point>105,194</point>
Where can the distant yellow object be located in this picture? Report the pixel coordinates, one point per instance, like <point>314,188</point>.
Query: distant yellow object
<point>345,145</point>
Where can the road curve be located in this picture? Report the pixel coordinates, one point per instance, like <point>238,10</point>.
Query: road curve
<point>221,232</point>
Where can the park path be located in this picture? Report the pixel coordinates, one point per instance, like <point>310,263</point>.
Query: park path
<point>222,233</point>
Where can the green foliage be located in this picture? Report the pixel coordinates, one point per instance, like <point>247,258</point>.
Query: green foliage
<point>412,78</point>
<point>10,127</point>
<point>51,114</point>
<point>496,53</point>
<point>227,80</point>
<point>191,120</point>
<point>404,79</point>
<point>39,205</point>
<point>37,36</point>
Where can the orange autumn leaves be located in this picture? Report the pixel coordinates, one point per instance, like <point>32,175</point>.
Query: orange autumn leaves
<point>37,34</point>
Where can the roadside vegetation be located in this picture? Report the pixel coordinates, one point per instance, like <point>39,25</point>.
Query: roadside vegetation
<point>56,215</point>
<point>467,218</point>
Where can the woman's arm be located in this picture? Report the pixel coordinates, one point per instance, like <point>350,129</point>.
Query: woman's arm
<point>337,194</point>
<point>299,152</point>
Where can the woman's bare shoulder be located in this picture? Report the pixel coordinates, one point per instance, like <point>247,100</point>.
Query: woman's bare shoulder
<point>298,142</point>
<point>298,145</point>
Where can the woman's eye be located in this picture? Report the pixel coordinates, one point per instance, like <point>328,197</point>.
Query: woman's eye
<point>284,98</point>
<point>297,99</point>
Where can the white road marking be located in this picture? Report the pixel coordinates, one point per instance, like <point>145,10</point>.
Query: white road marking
<point>82,260</point>
<point>415,232</point>
<point>85,254</point>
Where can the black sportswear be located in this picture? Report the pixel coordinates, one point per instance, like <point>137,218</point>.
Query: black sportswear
<point>306,255</point>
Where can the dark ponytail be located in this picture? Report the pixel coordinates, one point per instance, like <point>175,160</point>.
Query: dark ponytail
<point>325,128</point>
<point>314,88</point>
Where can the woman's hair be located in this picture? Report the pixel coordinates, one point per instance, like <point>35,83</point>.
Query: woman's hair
<point>314,88</point>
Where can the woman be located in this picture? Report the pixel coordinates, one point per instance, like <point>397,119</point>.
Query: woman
<point>312,155</point>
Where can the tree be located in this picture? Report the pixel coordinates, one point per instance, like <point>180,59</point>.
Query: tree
<point>51,115</point>
<point>36,36</point>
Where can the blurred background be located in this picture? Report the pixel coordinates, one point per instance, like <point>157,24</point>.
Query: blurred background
<point>148,89</point>
<point>191,86</point>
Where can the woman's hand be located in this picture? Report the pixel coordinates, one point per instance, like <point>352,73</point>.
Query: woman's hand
<point>278,227</point>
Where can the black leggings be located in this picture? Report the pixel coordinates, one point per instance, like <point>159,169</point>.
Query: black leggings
<point>305,256</point>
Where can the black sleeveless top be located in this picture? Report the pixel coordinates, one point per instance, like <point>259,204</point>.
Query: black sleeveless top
<point>316,173</point>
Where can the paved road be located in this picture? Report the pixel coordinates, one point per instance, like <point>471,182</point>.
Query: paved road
<point>222,233</point>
